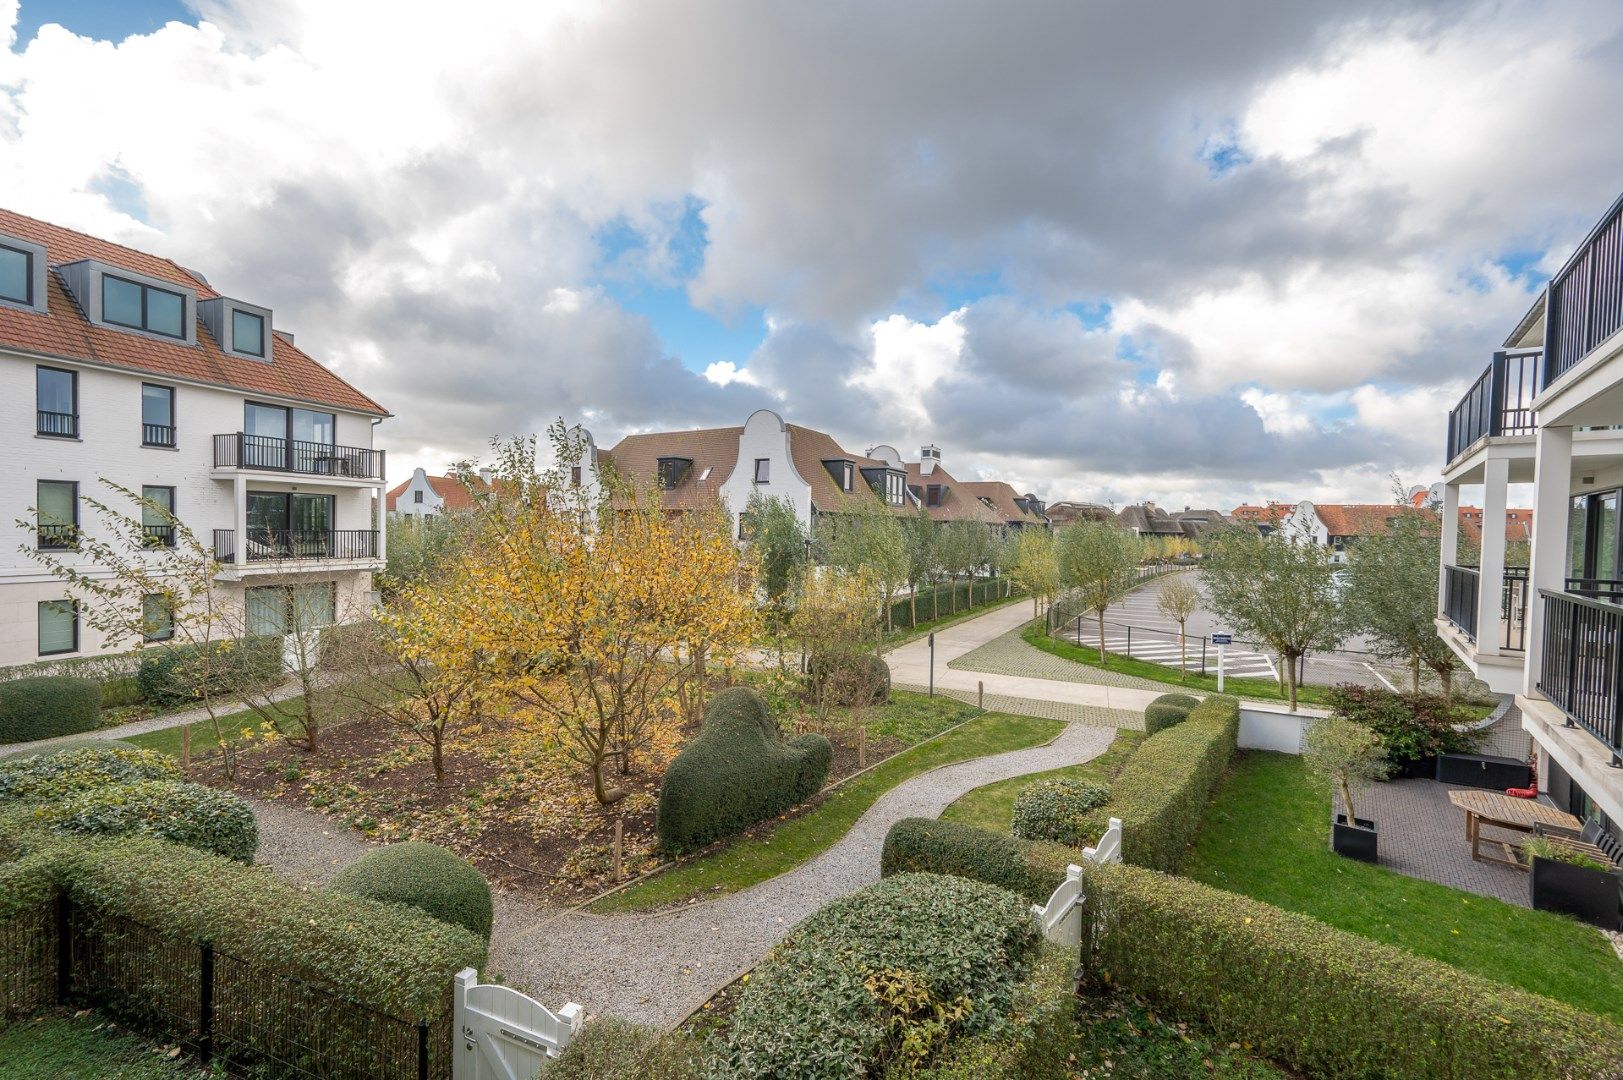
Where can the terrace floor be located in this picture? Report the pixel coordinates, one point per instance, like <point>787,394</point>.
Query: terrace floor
<point>1422,835</point>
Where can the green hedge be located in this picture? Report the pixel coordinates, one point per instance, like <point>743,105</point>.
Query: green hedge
<point>1057,809</point>
<point>827,1001</point>
<point>947,600</point>
<point>45,707</point>
<point>875,675</point>
<point>1322,1001</point>
<point>191,814</point>
<point>925,845</point>
<point>61,774</point>
<point>613,1049</point>
<point>1039,1039</point>
<point>174,674</point>
<point>738,771</point>
<point>1162,792</point>
<point>424,876</point>
<point>1168,710</point>
<point>63,745</point>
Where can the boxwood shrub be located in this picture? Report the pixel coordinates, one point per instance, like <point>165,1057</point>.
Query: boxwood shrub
<point>1057,809</point>
<point>1032,869</point>
<point>173,674</point>
<point>738,771</point>
<point>875,674</point>
<point>613,1049</point>
<point>1039,1040</point>
<point>1167,710</point>
<point>64,773</point>
<point>1322,1001</point>
<point>424,876</point>
<point>191,814</point>
<point>48,706</point>
<point>838,997</point>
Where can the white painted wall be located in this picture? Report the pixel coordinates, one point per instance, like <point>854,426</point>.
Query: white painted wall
<point>1263,727</point>
<point>766,436</point>
<point>406,504</point>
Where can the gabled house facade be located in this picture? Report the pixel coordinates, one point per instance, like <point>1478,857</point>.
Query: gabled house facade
<point>119,364</point>
<point>424,496</point>
<point>1265,518</point>
<point>931,486</point>
<point>1338,526</point>
<point>1548,410</point>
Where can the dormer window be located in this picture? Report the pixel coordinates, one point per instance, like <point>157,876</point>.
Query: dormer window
<point>671,471</point>
<point>248,332</point>
<point>933,495</point>
<point>242,329</point>
<point>114,297</point>
<point>22,274</point>
<point>843,471</point>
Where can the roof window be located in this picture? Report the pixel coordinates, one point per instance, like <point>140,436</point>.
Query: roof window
<point>242,329</point>
<point>22,274</point>
<point>121,299</point>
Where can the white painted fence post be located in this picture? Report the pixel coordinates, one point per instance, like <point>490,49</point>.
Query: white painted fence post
<point>502,1034</point>
<point>1060,920</point>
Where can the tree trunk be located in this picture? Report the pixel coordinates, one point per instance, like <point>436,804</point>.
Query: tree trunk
<point>619,834</point>
<point>1102,654</point>
<point>913,606</point>
<point>1414,674</point>
<point>438,744</point>
<point>1183,653</point>
<point>1446,677</point>
<point>1290,664</point>
<point>1346,798</point>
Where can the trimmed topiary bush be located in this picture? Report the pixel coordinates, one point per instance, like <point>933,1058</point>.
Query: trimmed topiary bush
<point>175,674</point>
<point>1323,1001</point>
<point>45,707</point>
<point>738,771</point>
<point>886,977</point>
<point>925,845</point>
<point>58,775</point>
<point>1167,711</point>
<point>424,876</point>
<point>200,817</point>
<point>1057,809</point>
<point>872,674</point>
<point>613,1049</point>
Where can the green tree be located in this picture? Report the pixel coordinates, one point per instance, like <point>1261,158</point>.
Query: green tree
<point>963,548</point>
<point>1178,600</point>
<point>1034,566</point>
<point>1097,562</point>
<point>1347,754</point>
<point>865,538</point>
<point>1277,591</point>
<point>919,537</point>
<point>1391,596</point>
<point>419,547</point>
<point>778,539</point>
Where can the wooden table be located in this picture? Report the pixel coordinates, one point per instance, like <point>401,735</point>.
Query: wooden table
<point>1505,812</point>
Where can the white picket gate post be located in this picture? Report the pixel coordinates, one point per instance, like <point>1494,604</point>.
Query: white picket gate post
<point>501,1034</point>
<point>1060,920</point>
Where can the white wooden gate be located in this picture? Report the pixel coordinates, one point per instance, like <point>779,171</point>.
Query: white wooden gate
<point>502,1034</point>
<point>1060,920</point>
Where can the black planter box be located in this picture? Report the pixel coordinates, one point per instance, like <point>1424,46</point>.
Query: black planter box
<point>1483,771</point>
<point>1355,841</point>
<point>1583,893</point>
<point>1414,768</point>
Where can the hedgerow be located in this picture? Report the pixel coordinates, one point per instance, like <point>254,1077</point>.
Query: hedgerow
<point>925,845</point>
<point>889,975</point>
<point>1038,1039</point>
<point>613,1049</point>
<point>1167,710</point>
<point>62,774</point>
<point>179,673</point>
<point>738,771</point>
<point>191,814</point>
<point>1323,1001</point>
<point>1057,809</point>
<point>45,707</point>
<point>424,876</point>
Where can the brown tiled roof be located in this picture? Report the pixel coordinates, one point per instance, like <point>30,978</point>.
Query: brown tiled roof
<point>64,332</point>
<point>636,459</point>
<point>1361,519</point>
<point>809,448</point>
<point>453,494</point>
<point>1003,498</point>
<point>1272,513</point>
<point>958,503</point>
<point>1518,524</point>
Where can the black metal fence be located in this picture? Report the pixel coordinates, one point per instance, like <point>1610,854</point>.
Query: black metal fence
<point>1586,297</point>
<point>1500,402</point>
<point>1581,663</point>
<point>943,600</point>
<point>246,1018</point>
<point>1460,584</point>
<point>239,450</point>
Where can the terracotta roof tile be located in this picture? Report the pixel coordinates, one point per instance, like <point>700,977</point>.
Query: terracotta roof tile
<point>957,504</point>
<point>1361,519</point>
<point>713,451</point>
<point>453,495</point>
<point>1002,497</point>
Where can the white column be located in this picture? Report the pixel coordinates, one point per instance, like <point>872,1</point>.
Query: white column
<point>239,491</point>
<point>1451,540</point>
<point>1491,570</point>
<point>1552,490</point>
<point>381,501</point>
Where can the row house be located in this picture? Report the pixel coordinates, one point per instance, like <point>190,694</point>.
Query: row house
<point>425,496</point>
<point>1264,518</point>
<point>1339,526</point>
<point>122,365</point>
<point>1548,411</point>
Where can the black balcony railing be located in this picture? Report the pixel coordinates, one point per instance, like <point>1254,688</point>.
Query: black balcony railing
<point>1500,402</point>
<point>158,535</point>
<point>1596,588</point>
<point>1460,598</point>
<point>62,425</point>
<point>58,537</point>
<point>157,435</point>
<point>1586,297</point>
<point>239,451</point>
<point>276,545</point>
<point>1581,668</point>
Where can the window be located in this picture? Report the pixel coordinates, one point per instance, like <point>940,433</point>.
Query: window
<point>933,495</point>
<point>671,471</point>
<point>763,470</point>
<point>158,515</point>
<point>574,478</point>
<point>247,332</point>
<point>157,415</point>
<point>417,496</point>
<point>896,488</point>
<point>56,399</point>
<point>57,505</point>
<point>58,627</point>
<point>289,525</point>
<point>16,275</point>
<point>142,307</point>
<point>278,610</point>
<point>281,438</point>
<point>157,618</point>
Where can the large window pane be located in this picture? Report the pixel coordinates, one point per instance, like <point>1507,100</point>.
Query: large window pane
<point>163,509</point>
<point>158,405</point>
<point>267,512</point>
<point>16,275</point>
<point>58,627</point>
<point>313,605</point>
<point>54,390</point>
<point>157,619</point>
<point>312,513</point>
<point>165,313</point>
<point>1605,557</point>
<point>270,420</point>
<point>316,427</point>
<point>120,301</point>
<point>247,332</point>
<point>1577,536</point>
<point>56,500</point>
<point>267,611</point>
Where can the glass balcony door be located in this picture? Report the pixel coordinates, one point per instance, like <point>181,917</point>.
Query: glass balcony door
<point>1594,535</point>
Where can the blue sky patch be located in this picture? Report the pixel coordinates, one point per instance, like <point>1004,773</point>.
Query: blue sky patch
<point>105,20</point>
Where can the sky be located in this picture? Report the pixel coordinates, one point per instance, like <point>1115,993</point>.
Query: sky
<point>1189,252</point>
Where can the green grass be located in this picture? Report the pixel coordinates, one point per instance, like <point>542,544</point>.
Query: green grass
<point>1266,835</point>
<point>746,862</point>
<point>912,718</point>
<point>63,1046</point>
<point>168,740</point>
<point>992,807</point>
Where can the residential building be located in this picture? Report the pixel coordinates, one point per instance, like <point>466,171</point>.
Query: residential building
<point>1338,526</point>
<point>1147,519</point>
<point>943,496</point>
<point>1014,511</point>
<point>1069,513</point>
<point>1265,519</point>
<point>426,496</point>
<point>1546,411</point>
<point>122,365</point>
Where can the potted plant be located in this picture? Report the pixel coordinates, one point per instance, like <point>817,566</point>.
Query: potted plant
<point>1349,756</point>
<point>1415,728</point>
<point>1567,880</point>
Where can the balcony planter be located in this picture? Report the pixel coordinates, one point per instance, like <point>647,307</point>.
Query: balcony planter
<point>1355,841</point>
<point>1580,891</point>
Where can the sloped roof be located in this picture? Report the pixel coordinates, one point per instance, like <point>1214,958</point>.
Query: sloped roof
<point>1362,519</point>
<point>809,448</point>
<point>64,332</point>
<point>958,503</point>
<point>1273,513</point>
<point>1518,524</point>
<point>453,495</point>
<point>1067,512</point>
<point>1150,520</point>
<point>1003,498</point>
<point>713,451</point>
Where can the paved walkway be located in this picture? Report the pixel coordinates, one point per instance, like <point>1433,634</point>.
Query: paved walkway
<point>1422,835</point>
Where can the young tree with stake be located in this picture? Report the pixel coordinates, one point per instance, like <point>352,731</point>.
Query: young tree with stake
<point>1178,600</point>
<point>1097,560</point>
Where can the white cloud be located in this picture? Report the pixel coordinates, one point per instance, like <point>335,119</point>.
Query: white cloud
<point>723,372</point>
<point>1280,413</point>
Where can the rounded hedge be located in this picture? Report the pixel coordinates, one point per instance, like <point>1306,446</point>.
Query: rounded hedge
<point>60,774</point>
<point>613,1049</point>
<point>199,817</point>
<point>1167,711</point>
<point>63,745</point>
<point>47,706</point>
<point>424,876</point>
<point>738,771</point>
<point>178,673</point>
<point>1032,869</point>
<point>887,976</point>
<point>871,674</point>
<point>1056,809</point>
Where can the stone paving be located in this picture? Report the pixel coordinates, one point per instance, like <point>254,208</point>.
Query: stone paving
<point>1011,654</point>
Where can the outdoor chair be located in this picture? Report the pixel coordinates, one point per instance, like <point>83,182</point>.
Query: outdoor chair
<point>1593,840</point>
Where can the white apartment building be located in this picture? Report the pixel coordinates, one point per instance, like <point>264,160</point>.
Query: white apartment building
<point>121,365</point>
<point>1549,411</point>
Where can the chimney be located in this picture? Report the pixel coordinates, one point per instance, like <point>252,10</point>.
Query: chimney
<point>929,458</point>
<point>485,474</point>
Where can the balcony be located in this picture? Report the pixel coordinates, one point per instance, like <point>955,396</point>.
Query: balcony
<point>1460,590</point>
<point>269,454</point>
<point>158,536</point>
<point>297,545</point>
<point>1460,603</point>
<point>158,435</point>
<point>1581,669</point>
<point>58,537</point>
<point>1585,305</point>
<point>1500,402</point>
<point>57,425</point>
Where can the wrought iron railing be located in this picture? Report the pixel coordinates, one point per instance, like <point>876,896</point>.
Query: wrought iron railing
<point>241,451</point>
<point>1460,585</point>
<point>1462,603</point>
<point>1586,297</point>
<point>1581,666</point>
<point>1596,588</point>
<point>158,535</point>
<point>1513,609</point>
<point>275,545</point>
<point>157,435</point>
<point>60,424</point>
<point>1500,402</point>
<point>58,537</point>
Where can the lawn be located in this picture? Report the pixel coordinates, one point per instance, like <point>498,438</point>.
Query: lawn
<point>84,1046</point>
<point>168,740</point>
<point>991,807</point>
<point>1265,835</point>
<point>745,862</point>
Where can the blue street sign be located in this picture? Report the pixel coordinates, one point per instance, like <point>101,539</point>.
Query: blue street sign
<point>1222,639</point>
